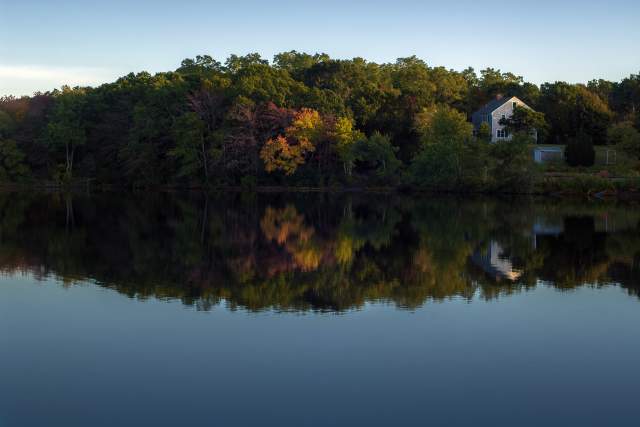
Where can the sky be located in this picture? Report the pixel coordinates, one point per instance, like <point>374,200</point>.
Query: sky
<point>45,44</point>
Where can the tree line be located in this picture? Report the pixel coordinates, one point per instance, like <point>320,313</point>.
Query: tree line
<point>302,120</point>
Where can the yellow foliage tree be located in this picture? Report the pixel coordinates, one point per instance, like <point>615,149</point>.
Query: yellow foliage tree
<point>345,136</point>
<point>286,153</point>
<point>279,154</point>
<point>307,125</point>
<point>287,227</point>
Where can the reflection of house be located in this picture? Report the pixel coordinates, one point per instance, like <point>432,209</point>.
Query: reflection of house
<point>494,111</point>
<point>602,223</point>
<point>609,222</point>
<point>494,263</point>
<point>546,226</point>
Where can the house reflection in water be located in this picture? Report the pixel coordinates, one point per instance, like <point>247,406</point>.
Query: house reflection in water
<point>544,226</point>
<point>495,260</point>
<point>495,263</point>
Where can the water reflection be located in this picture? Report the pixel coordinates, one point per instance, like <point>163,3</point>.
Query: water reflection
<point>318,251</point>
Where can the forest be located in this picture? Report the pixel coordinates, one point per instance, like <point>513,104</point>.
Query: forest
<point>304,120</point>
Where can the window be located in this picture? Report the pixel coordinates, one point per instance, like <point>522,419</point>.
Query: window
<point>501,133</point>
<point>504,117</point>
<point>515,104</point>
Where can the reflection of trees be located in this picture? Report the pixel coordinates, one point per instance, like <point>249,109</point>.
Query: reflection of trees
<point>287,228</point>
<point>301,252</point>
<point>576,256</point>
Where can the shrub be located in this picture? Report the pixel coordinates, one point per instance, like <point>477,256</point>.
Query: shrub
<point>627,184</point>
<point>376,156</point>
<point>443,125</point>
<point>514,169</point>
<point>580,151</point>
<point>626,137</point>
<point>484,132</point>
<point>436,166</point>
<point>12,162</point>
<point>579,184</point>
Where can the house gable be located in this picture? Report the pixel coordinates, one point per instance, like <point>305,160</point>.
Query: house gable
<point>495,111</point>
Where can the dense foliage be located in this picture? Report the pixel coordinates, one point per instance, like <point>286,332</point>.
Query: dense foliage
<point>303,120</point>
<point>580,151</point>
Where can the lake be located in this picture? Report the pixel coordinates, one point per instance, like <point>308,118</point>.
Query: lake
<point>310,309</point>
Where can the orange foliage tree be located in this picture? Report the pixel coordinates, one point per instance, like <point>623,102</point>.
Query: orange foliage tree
<point>286,153</point>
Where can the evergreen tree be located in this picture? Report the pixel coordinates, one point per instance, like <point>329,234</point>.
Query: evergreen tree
<point>580,151</point>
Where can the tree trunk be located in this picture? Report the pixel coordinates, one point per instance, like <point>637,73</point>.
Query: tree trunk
<point>205,217</point>
<point>204,163</point>
<point>69,159</point>
<point>70,222</point>
<point>66,166</point>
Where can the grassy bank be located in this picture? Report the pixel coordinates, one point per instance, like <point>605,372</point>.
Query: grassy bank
<point>576,184</point>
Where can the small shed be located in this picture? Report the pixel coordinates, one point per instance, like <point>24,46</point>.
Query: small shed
<point>548,154</point>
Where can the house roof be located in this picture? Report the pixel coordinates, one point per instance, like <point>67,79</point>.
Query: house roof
<point>479,116</point>
<point>493,105</point>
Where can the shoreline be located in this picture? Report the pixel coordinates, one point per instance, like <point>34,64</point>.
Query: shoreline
<point>567,186</point>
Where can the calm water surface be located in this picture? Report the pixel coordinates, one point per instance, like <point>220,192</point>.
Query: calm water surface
<point>309,309</point>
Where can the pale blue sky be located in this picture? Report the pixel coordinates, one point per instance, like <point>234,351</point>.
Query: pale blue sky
<point>44,44</point>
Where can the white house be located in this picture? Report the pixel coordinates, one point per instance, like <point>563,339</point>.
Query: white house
<point>495,110</point>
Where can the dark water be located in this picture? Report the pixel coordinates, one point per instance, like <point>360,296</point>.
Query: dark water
<point>310,309</point>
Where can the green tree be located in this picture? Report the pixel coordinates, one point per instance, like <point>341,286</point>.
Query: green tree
<point>192,147</point>
<point>354,88</point>
<point>378,154</point>
<point>475,165</point>
<point>513,167</point>
<point>202,65</point>
<point>603,88</point>
<point>527,121</point>
<point>626,137</point>
<point>626,98</point>
<point>437,166</point>
<point>7,124</point>
<point>66,128</point>
<point>345,138</point>
<point>12,162</point>
<point>443,125</point>
<point>236,63</point>
<point>297,63</point>
<point>444,132</point>
<point>571,109</point>
<point>262,83</point>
